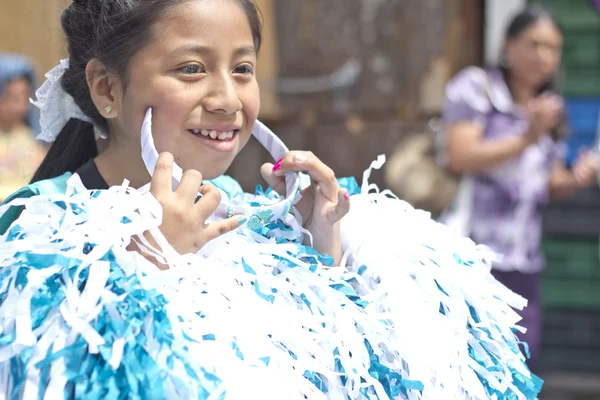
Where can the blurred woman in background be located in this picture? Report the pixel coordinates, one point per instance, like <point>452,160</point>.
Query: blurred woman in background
<point>505,131</point>
<point>20,154</point>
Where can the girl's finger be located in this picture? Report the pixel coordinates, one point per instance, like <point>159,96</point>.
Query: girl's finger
<point>305,161</point>
<point>341,208</point>
<point>208,203</point>
<point>162,179</point>
<point>190,184</point>
<point>218,228</point>
<point>277,183</point>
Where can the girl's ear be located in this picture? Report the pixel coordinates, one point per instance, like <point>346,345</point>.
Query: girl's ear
<point>105,89</point>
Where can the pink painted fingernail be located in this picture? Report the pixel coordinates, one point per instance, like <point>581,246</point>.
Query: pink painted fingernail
<point>277,165</point>
<point>347,196</point>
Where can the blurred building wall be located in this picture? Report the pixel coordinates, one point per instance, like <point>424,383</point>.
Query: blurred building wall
<point>355,77</point>
<point>32,27</point>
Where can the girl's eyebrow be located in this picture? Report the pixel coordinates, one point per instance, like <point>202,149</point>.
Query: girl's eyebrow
<point>197,49</point>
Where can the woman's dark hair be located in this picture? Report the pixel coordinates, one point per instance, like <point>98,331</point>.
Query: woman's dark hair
<point>530,16</point>
<point>112,31</point>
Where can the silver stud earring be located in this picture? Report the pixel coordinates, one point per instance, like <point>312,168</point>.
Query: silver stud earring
<point>108,109</point>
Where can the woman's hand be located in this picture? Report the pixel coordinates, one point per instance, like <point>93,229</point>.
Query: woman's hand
<point>585,170</point>
<point>543,113</point>
<point>323,203</point>
<point>184,219</point>
<point>564,182</point>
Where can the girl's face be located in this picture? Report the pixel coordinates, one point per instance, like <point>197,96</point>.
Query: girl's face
<point>14,102</point>
<point>535,54</point>
<point>198,75</point>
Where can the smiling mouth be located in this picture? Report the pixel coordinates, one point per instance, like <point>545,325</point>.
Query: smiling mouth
<point>213,134</point>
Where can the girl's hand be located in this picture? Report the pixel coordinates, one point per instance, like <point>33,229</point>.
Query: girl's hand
<point>184,219</point>
<point>323,203</point>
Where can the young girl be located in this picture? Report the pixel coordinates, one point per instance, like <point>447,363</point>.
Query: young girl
<point>113,289</point>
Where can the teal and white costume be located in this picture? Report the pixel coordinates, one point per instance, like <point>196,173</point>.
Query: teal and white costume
<point>412,313</point>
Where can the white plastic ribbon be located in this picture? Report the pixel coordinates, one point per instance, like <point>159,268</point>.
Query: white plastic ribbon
<point>265,136</point>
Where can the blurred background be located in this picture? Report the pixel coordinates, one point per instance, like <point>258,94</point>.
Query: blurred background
<point>352,79</point>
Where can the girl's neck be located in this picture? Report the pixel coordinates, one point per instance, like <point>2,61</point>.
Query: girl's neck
<point>115,163</point>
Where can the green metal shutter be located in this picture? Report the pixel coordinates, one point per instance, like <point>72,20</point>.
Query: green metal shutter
<point>581,58</point>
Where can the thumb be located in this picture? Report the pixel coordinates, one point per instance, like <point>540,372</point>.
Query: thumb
<point>277,183</point>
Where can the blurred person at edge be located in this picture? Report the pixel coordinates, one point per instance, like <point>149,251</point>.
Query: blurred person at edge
<point>505,131</point>
<point>20,153</point>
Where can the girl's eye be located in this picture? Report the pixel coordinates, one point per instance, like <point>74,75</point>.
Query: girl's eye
<point>192,69</point>
<point>244,70</point>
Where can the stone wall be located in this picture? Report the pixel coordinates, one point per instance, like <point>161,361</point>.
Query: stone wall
<point>354,77</point>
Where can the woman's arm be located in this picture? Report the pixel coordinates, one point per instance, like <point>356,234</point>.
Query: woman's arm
<point>468,152</point>
<point>562,182</point>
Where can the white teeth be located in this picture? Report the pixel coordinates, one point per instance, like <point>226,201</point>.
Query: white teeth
<point>214,134</point>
